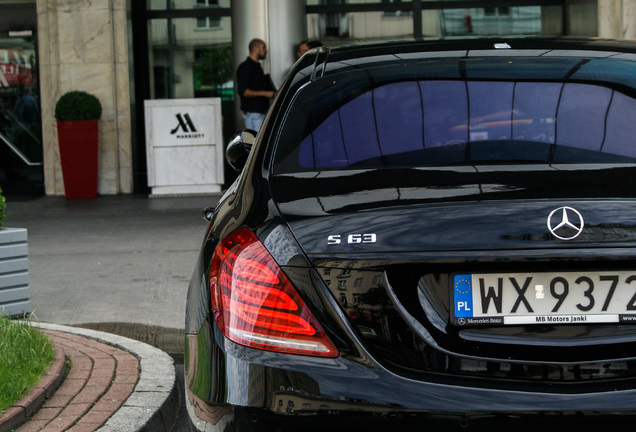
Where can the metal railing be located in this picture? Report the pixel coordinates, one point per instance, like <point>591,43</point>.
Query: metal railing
<point>12,146</point>
<point>17,151</point>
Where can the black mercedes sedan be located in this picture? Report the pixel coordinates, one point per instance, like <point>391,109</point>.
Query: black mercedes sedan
<point>426,235</point>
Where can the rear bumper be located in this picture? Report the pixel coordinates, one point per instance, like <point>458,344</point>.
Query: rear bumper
<point>233,388</point>
<point>256,420</point>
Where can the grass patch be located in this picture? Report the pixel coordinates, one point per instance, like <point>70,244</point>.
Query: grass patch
<point>25,356</point>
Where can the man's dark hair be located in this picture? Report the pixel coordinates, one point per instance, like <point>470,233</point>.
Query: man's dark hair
<point>254,43</point>
<point>301,43</point>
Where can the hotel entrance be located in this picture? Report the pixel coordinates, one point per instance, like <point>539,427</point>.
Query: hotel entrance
<point>21,170</point>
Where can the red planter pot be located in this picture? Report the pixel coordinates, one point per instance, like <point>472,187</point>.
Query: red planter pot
<point>78,154</point>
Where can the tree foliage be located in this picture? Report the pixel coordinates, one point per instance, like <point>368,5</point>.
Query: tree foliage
<point>214,66</point>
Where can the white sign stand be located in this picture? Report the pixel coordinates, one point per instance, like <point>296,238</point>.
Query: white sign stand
<point>184,146</point>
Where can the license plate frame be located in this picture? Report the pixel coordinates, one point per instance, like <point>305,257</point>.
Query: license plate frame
<point>543,298</point>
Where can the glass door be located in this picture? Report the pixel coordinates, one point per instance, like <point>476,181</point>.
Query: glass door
<point>21,170</point>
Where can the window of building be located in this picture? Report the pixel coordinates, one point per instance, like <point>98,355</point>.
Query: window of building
<point>499,20</point>
<point>345,273</point>
<point>343,299</point>
<point>205,23</point>
<point>355,26</point>
<point>189,63</point>
<point>397,13</point>
<point>343,21</point>
<point>208,23</point>
<point>497,11</point>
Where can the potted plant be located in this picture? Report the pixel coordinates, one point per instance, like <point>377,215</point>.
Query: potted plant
<point>14,268</point>
<point>77,114</point>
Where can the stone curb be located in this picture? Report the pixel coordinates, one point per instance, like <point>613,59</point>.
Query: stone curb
<point>153,404</point>
<point>28,405</point>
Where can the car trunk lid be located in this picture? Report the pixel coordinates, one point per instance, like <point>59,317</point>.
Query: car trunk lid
<point>390,265</point>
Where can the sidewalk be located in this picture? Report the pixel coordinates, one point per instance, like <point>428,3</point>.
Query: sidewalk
<point>113,259</point>
<point>106,388</point>
<point>119,263</point>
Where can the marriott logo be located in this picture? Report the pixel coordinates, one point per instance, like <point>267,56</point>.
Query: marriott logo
<point>185,127</point>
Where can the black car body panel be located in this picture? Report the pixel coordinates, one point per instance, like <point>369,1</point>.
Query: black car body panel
<point>372,239</point>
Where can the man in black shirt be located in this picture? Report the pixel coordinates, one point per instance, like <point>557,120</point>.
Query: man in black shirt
<point>254,87</point>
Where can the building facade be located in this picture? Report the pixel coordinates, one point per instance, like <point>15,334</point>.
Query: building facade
<point>129,51</point>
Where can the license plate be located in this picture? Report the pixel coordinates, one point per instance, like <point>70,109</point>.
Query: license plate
<point>543,298</point>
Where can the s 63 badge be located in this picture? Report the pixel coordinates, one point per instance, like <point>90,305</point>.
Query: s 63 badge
<point>336,239</point>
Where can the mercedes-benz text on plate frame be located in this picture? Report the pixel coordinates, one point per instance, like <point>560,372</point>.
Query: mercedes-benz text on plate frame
<point>544,298</point>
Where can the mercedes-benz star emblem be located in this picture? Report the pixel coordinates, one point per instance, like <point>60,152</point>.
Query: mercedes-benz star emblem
<point>565,223</point>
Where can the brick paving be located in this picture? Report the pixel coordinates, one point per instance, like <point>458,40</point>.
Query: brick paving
<point>99,381</point>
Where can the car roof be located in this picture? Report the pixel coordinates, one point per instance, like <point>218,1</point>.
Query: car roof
<point>327,60</point>
<point>493,44</point>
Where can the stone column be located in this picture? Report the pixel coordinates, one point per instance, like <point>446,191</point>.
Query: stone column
<point>288,26</point>
<point>551,22</point>
<point>629,20</point>
<point>582,18</point>
<point>609,19</point>
<point>617,19</point>
<point>83,45</point>
<point>280,23</point>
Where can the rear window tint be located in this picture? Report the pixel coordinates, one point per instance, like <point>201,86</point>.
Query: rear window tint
<point>358,121</point>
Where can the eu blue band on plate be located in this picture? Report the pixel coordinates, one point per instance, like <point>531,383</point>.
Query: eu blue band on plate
<point>463,296</point>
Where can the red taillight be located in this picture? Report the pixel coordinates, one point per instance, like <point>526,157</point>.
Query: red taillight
<point>256,305</point>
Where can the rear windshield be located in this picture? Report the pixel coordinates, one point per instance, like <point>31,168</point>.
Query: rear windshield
<point>463,112</point>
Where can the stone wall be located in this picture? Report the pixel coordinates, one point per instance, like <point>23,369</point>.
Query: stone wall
<point>582,19</point>
<point>617,19</point>
<point>83,45</point>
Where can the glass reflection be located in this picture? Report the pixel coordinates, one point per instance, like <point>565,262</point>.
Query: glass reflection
<point>362,294</point>
<point>190,60</point>
<point>398,20</point>
<point>20,117</point>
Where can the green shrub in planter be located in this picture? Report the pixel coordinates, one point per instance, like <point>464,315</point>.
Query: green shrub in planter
<point>3,208</point>
<point>78,105</point>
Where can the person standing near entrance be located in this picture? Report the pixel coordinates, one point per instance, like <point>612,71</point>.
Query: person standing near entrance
<point>302,48</point>
<point>254,87</point>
